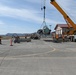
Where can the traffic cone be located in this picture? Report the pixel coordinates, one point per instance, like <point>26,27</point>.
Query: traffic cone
<point>11,42</point>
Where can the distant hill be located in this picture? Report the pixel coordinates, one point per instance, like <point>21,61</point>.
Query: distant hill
<point>17,34</point>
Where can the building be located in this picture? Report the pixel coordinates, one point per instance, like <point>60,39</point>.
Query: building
<point>62,29</point>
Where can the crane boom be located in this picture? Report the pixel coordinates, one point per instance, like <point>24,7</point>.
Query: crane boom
<point>66,17</point>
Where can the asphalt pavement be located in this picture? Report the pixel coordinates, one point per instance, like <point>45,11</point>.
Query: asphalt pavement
<point>38,57</point>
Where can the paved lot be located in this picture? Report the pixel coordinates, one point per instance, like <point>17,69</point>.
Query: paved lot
<point>38,58</point>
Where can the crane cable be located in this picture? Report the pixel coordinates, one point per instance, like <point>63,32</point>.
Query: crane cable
<point>43,7</point>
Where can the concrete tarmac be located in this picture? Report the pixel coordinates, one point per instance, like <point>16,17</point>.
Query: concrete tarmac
<point>38,57</point>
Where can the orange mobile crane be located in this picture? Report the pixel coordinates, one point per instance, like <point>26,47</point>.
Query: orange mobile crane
<point>70,23</point>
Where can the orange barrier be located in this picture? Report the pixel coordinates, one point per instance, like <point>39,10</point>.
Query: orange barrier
<point>11,42</point>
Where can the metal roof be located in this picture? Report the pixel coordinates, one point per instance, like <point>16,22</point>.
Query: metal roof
<point>61,25</point>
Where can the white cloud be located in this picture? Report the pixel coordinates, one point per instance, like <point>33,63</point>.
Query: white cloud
<point>23,14</point>
<point>19,13</point>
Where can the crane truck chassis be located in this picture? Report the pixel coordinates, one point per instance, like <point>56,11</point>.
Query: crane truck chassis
<point>71,34</point>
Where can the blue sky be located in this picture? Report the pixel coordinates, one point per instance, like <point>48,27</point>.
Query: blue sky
<point>25,16</point>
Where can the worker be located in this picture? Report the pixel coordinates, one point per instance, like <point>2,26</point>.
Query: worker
<point>57,38</point>
<point>0,40</point>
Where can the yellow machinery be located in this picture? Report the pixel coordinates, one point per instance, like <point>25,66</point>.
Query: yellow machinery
<point>69,22</point>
